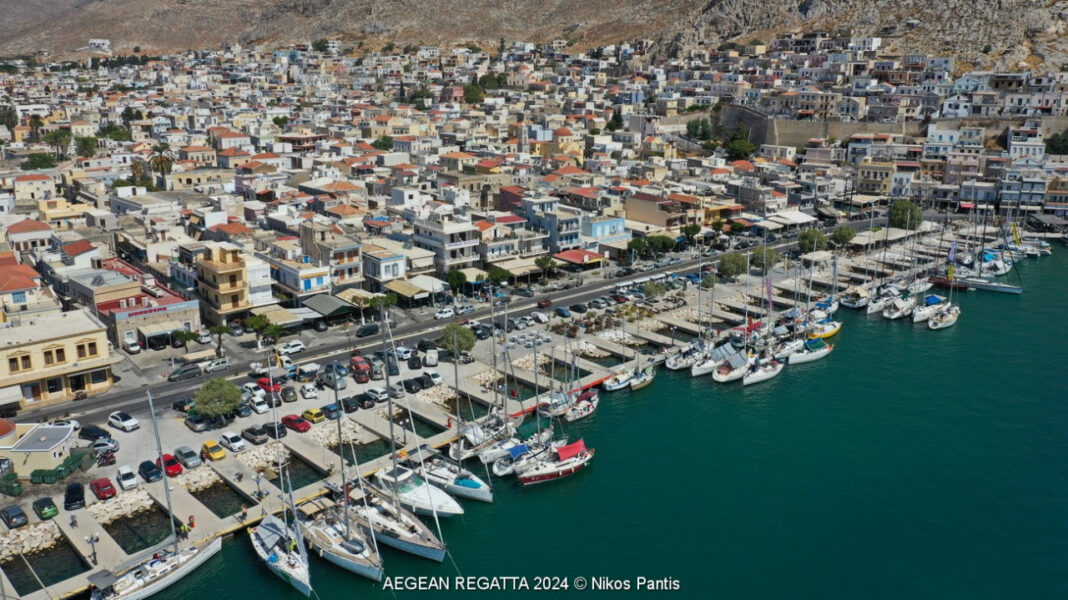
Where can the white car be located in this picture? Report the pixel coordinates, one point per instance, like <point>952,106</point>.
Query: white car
<point>434,377</point>
<point>126,478</point>
<point>204,337</point>
<point>292,348</point>
<point>259,404</point>
<point>308,390</point>
<point>232,442</point>
<point>465,309</point>
<point>252,390</point>
<point>402,352</point>
<point>445,313</point>
<point>123,421</point>
<point>131,346</point>
<point>539,317</point>
<point>75,424</point>
<point>378,394</point>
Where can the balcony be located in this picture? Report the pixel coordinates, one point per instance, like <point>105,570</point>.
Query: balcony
<point>214,266</point>
<point>462,244</point>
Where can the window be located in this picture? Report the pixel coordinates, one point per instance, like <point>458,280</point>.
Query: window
<point>55,385</point>
<point>18,297</point>
<point>55,356</point>
<point>86,349</point>
<point>16,364</point>
<point>98,377</point>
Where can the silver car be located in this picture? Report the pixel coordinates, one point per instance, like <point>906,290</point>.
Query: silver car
<point>188,458</point>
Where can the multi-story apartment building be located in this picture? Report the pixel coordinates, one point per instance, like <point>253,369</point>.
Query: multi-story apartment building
<point>452,238</point>
<point>222,281</point>
<point>339,252</point>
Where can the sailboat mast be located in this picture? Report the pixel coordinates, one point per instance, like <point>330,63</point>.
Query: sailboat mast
<point>274,417</point>
<point>341,456</point>
<point>389,397</point>
<point>166,484</point>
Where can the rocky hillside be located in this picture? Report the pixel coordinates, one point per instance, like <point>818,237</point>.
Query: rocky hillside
<point>983,33</point>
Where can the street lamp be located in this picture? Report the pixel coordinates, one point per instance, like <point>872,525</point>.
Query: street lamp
<point>92,540</point>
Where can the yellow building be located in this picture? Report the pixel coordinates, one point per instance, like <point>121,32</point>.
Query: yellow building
<point>49,359</point>
<point>222,279</point>
<point>33,446</point>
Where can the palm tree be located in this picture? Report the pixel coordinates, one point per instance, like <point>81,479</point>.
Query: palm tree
<point>59,140</point>
<point>162,160</point>
<point>218,331</point>
<point>257,324</point>
<point>137,171</point>
<point>36,123</point>
<point>185,336</point>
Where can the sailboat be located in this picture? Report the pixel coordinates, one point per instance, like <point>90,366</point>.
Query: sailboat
<point>522,458</point>
<point>333,538</point>
<point>450,476</point>
<point>856,297</point>
<point>733,368</point>
<point>763,372</point>
<point>900,307</point>
<point>150,575</point>
<point>277,544</point>
<point>944,318</point>
<point>931,304</point>
<point>477,438</point>
<point>565,461</point>
<point>620,380</point>
<point>644,377</point>
<point>813,350</point>
<point>393,526</point>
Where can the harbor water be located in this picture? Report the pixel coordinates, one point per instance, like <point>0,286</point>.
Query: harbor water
<point>908,464</point>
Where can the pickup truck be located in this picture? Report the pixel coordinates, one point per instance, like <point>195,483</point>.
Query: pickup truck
<point>287,368</point>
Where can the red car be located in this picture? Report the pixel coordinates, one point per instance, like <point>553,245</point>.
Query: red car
<point>619,298</point>
<point>102,488</point>
<point>271,387</point>
<point>170,465</point>
<point>361,369</point>
<point>544,303</point>
<point>296,423</point>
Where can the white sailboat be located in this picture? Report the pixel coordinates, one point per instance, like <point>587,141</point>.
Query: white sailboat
<point>899,308</point>
<point>451,477</point>
<point>415,494</point>
<point>620,380</point>
<point>762,372</point>
<point>931,304</point>
<point>813,350</point>
<point>393,526</point>
<point>944,318</point>
<point>732,369</point>
<point>277,545</point>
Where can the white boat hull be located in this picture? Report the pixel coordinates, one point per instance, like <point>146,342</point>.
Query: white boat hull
<point>808,356</point>
<point>762,374</point>
<point>189,559</point>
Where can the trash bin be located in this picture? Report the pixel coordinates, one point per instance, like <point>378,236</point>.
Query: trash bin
<point>37,476</point>
<point>49,476</point>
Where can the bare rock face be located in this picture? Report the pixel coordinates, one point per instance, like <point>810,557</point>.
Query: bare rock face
<point>981,33</point>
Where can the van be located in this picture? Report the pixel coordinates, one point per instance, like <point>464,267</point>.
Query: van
<point>185,372</point>
<point>430,359</point>
<point>218,364</point>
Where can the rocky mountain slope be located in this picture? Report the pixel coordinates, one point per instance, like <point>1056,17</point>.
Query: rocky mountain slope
<point>982,33</point>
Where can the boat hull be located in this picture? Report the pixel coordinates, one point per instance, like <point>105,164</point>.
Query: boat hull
<point>804,357</point>
<point>201,556</point>
<point>761,375</point>
<point>534,477</point>
<point>428,552</point>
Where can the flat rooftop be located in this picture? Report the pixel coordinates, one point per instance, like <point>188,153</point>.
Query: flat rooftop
<point>50,327</point>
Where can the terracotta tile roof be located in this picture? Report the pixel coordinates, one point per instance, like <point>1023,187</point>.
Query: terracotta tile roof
<point>78,247</point>
<point>18,277</point>
<point>28,225</point>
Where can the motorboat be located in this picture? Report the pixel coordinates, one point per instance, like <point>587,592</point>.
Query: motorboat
<point>564,462</point>
<point>643,378</point>
<point>415,494</point>
<point>619,380</point>
<point>762,372</point>
<point>449,475</point>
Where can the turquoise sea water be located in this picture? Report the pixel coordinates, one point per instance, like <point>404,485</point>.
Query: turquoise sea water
<point>908,464</point>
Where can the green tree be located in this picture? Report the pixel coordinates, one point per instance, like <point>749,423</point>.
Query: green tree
<point>388,47</point>
<point>256,324</point>
<point>219,331</point>
<point>731,265</point>
<point>37,161</point>
<point>717,225</point>
<point>384,142</point>
<point>547,264</point>
<point>740,149</point>
<point>764,258</point>
<point>59,140</point>
<point>499,275</point>
<point>137,171</point>
<point>456,280</point>
<point>905,214</point>
<point>473,94</point>
<point>35,123</point>
<point>86,146</point>
<point>690,232</point>
<point>842,234</point>
<point>637,247</point>
<point>9,117</point>
<point>281,121</point>
<point>217,397</point>
<point>128,116</point>
<point>185,336</point>
<point>654,289</point>
<point>272,333</point>
<point>811,240</point>
<point>704,129</point>
<point>488,81</point>
<point>320,45</point>
<point>161,160</point>
<point>616,122</point>
<point>661,243</point>
<point>456,339</point>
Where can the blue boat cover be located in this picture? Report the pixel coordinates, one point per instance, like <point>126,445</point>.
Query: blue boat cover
<point>932,299</point>
<point>517,451</point>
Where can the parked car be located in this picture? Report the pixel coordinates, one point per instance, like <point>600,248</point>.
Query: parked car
<point>105,445</point>
<point>350,404</point>
<point>122,420</point>
<point>430,359</point>
<point>171,466</point>
<point>482,332</point>
<point>365,401</point>
<point>425,344</point>
<point>13,516</point>
<point>196,423</point>
<point>539,317</point>
<point>102,488</point>
<point>425,381</point>
<point>256,435</point>
<point>204,337</point>
<point>296,423</point>
<point>578,307</point>
<point>415,362</point>
<point>336,367</point>
<point>289,394</point>
<point>275,430</point>
<point>465,309</point>
<point>268,385</point>
<point>434,377</point>
<point>402,352</point>
<point>367,329</point>
<point>562,312</point>
<point>294,347</point>
<point>212,450</point>
<point>412,386</point>
<point>188,457</point>
<point>237,330</point>
<point>378,394</point>
<point>185,372</point>
<point>126,478</point>
<point>45,508</point>
<point>65,422</point>
<point>131,346</point>
<point>619,298</point>
<point>259,405</point>
<point>332,381</point>
<point>396,390</point>
<point>313,415</point>
<point>217,365</point>
<point>243,410</point>
<point>445,313</point>
<point>502,301</point>
<point>331,411</point>
<point>149,471</point>
<point>74,496</point>
<point>232,442</point>
<point>93,433</point>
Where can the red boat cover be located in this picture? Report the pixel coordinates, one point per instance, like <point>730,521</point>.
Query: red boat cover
<point>573,449</point>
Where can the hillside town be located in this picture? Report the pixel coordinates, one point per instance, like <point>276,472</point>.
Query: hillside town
<point>140,196</point>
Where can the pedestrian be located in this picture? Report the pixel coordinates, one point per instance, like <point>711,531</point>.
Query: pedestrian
<point>244,513</point>
<point>74,521</point>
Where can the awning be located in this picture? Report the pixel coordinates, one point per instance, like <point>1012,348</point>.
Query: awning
<point>11,394</point>
<point>792,217</point>
<point>472,274</point>
<point>570,450</point>
<point>304,314</point>
<point>429,284</point>
<point>519,267</point>
<point>769,225</point>
<point>403,288</point>
<point>328,306</point>
<point>164,328</point>
<point>356,296</point>
<point>277,315</point>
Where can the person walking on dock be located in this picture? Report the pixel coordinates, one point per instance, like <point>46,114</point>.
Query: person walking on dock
<point>244,513</point>
<point>74,521</point>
